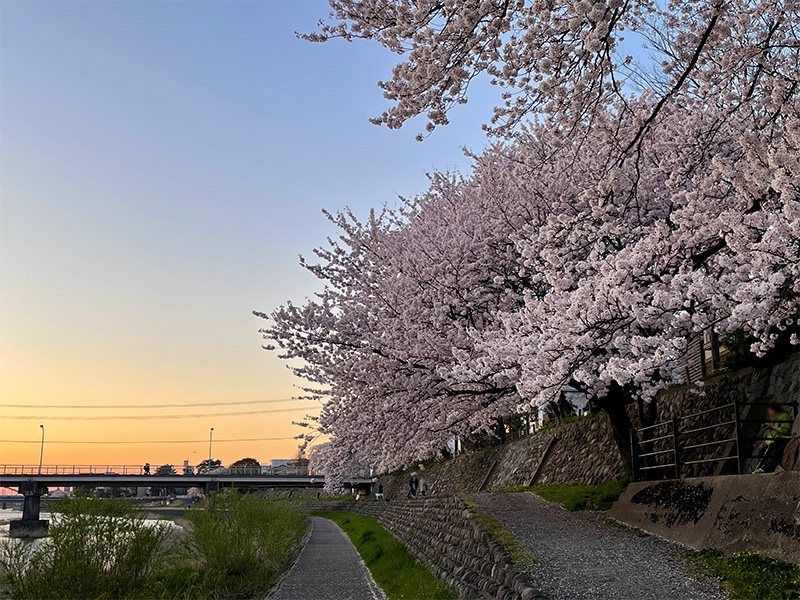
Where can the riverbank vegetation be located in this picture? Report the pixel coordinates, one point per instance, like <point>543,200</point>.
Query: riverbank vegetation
<point>749,576</point>
<point>96,548</point>
<point>395,570</point>
<point>576,496</point>
<point>233,547</point>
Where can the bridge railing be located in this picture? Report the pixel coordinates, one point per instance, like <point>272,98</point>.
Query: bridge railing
<point>109,469</point>
<point>72,470</point>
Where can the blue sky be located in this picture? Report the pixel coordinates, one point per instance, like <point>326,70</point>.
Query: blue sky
<point>161,167</point>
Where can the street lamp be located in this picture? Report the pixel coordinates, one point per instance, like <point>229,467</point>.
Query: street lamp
<point>210,436</point>
<point>41,451</point>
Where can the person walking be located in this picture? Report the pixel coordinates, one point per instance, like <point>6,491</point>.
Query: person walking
<point>146,468</point>
<point>779,432</point>
<point>413,484</point>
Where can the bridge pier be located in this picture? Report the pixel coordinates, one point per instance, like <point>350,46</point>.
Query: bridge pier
<point>30,525</point>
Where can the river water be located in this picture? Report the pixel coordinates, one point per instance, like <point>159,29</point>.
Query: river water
<point>13,512</point>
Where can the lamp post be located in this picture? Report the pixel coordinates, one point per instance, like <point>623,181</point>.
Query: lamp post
<point>210,437</point>
<point>41,451</point>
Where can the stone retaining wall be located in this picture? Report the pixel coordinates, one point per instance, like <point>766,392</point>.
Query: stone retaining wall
<point>443,534</point>
<point>583,451</point>
<point>284,493</point>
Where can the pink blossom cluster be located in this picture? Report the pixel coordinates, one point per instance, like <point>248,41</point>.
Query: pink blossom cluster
<point>625,209</point>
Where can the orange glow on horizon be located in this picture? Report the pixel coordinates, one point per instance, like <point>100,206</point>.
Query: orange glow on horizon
<point>147,373</point>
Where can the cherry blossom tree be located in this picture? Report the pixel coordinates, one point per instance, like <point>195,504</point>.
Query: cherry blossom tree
<point>406,291</point>
<point>629,208</point>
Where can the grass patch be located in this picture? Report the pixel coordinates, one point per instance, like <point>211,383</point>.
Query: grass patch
<point>749,576</point>
<point>398,573</point>
<point>577,496</point>
<point>235,547</point>
<point>520,555</point>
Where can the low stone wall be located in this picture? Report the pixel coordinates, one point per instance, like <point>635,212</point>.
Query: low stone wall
<point>736,513</point>
<point>279,493</point>
<point>583,451</point>
<point>443,534</point>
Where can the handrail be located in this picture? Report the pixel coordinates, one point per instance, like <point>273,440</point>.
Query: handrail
<point>654,453</point>
<point>715,442</point>
<point>705,412</point>
<point>715,426</point>
<point>682,436</point>
<point>654,426</point>
<point>188,470</point>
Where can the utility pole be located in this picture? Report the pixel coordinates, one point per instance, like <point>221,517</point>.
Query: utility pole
<point>210,437</point>
<point>41,451</point>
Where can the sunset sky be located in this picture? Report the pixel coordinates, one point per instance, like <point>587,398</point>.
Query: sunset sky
<point>162,165</point>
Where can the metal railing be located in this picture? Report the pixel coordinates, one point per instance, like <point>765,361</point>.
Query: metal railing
<point>109,469</point>
<point>667,448</point>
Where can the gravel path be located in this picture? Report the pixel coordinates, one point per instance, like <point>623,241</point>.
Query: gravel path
<point>328,568</point>
<point>580,557</point>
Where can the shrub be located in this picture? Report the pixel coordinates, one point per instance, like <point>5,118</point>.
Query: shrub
<point>241,544</point>
<point>96,549</point>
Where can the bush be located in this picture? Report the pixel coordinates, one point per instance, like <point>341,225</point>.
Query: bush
<point>241,544</point>
<point>96,549</point>
<point>102,548</point>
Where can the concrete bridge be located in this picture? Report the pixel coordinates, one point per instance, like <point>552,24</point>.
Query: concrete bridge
<point>33,482</point>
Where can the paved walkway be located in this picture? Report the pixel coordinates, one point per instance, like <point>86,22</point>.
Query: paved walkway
<point>582,557</point>
<point>329,568</point>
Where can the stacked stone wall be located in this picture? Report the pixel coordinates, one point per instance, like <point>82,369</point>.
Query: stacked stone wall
<point>285,493</point>
<point>583,451</point>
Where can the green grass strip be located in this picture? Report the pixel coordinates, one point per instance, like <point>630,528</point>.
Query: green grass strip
<point>576,496</point>
<point>749,576</point>
<point>395,570</point>
<point>521,556</point>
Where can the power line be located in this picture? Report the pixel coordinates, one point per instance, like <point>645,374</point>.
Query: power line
<point>152,417</point>
<point>193,404</point>
<point>266,439</point>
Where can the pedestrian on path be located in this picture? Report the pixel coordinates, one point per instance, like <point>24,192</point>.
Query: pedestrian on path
<point>779,432</point>
<point>413,484</point>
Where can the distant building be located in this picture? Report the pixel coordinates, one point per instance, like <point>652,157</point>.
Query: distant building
<point>704,354</point>
<point>289,466</point>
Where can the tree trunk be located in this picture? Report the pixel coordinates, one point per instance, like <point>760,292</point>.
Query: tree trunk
<point>556,410</point>
<point>621,426</point>
<point>501,430</point>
